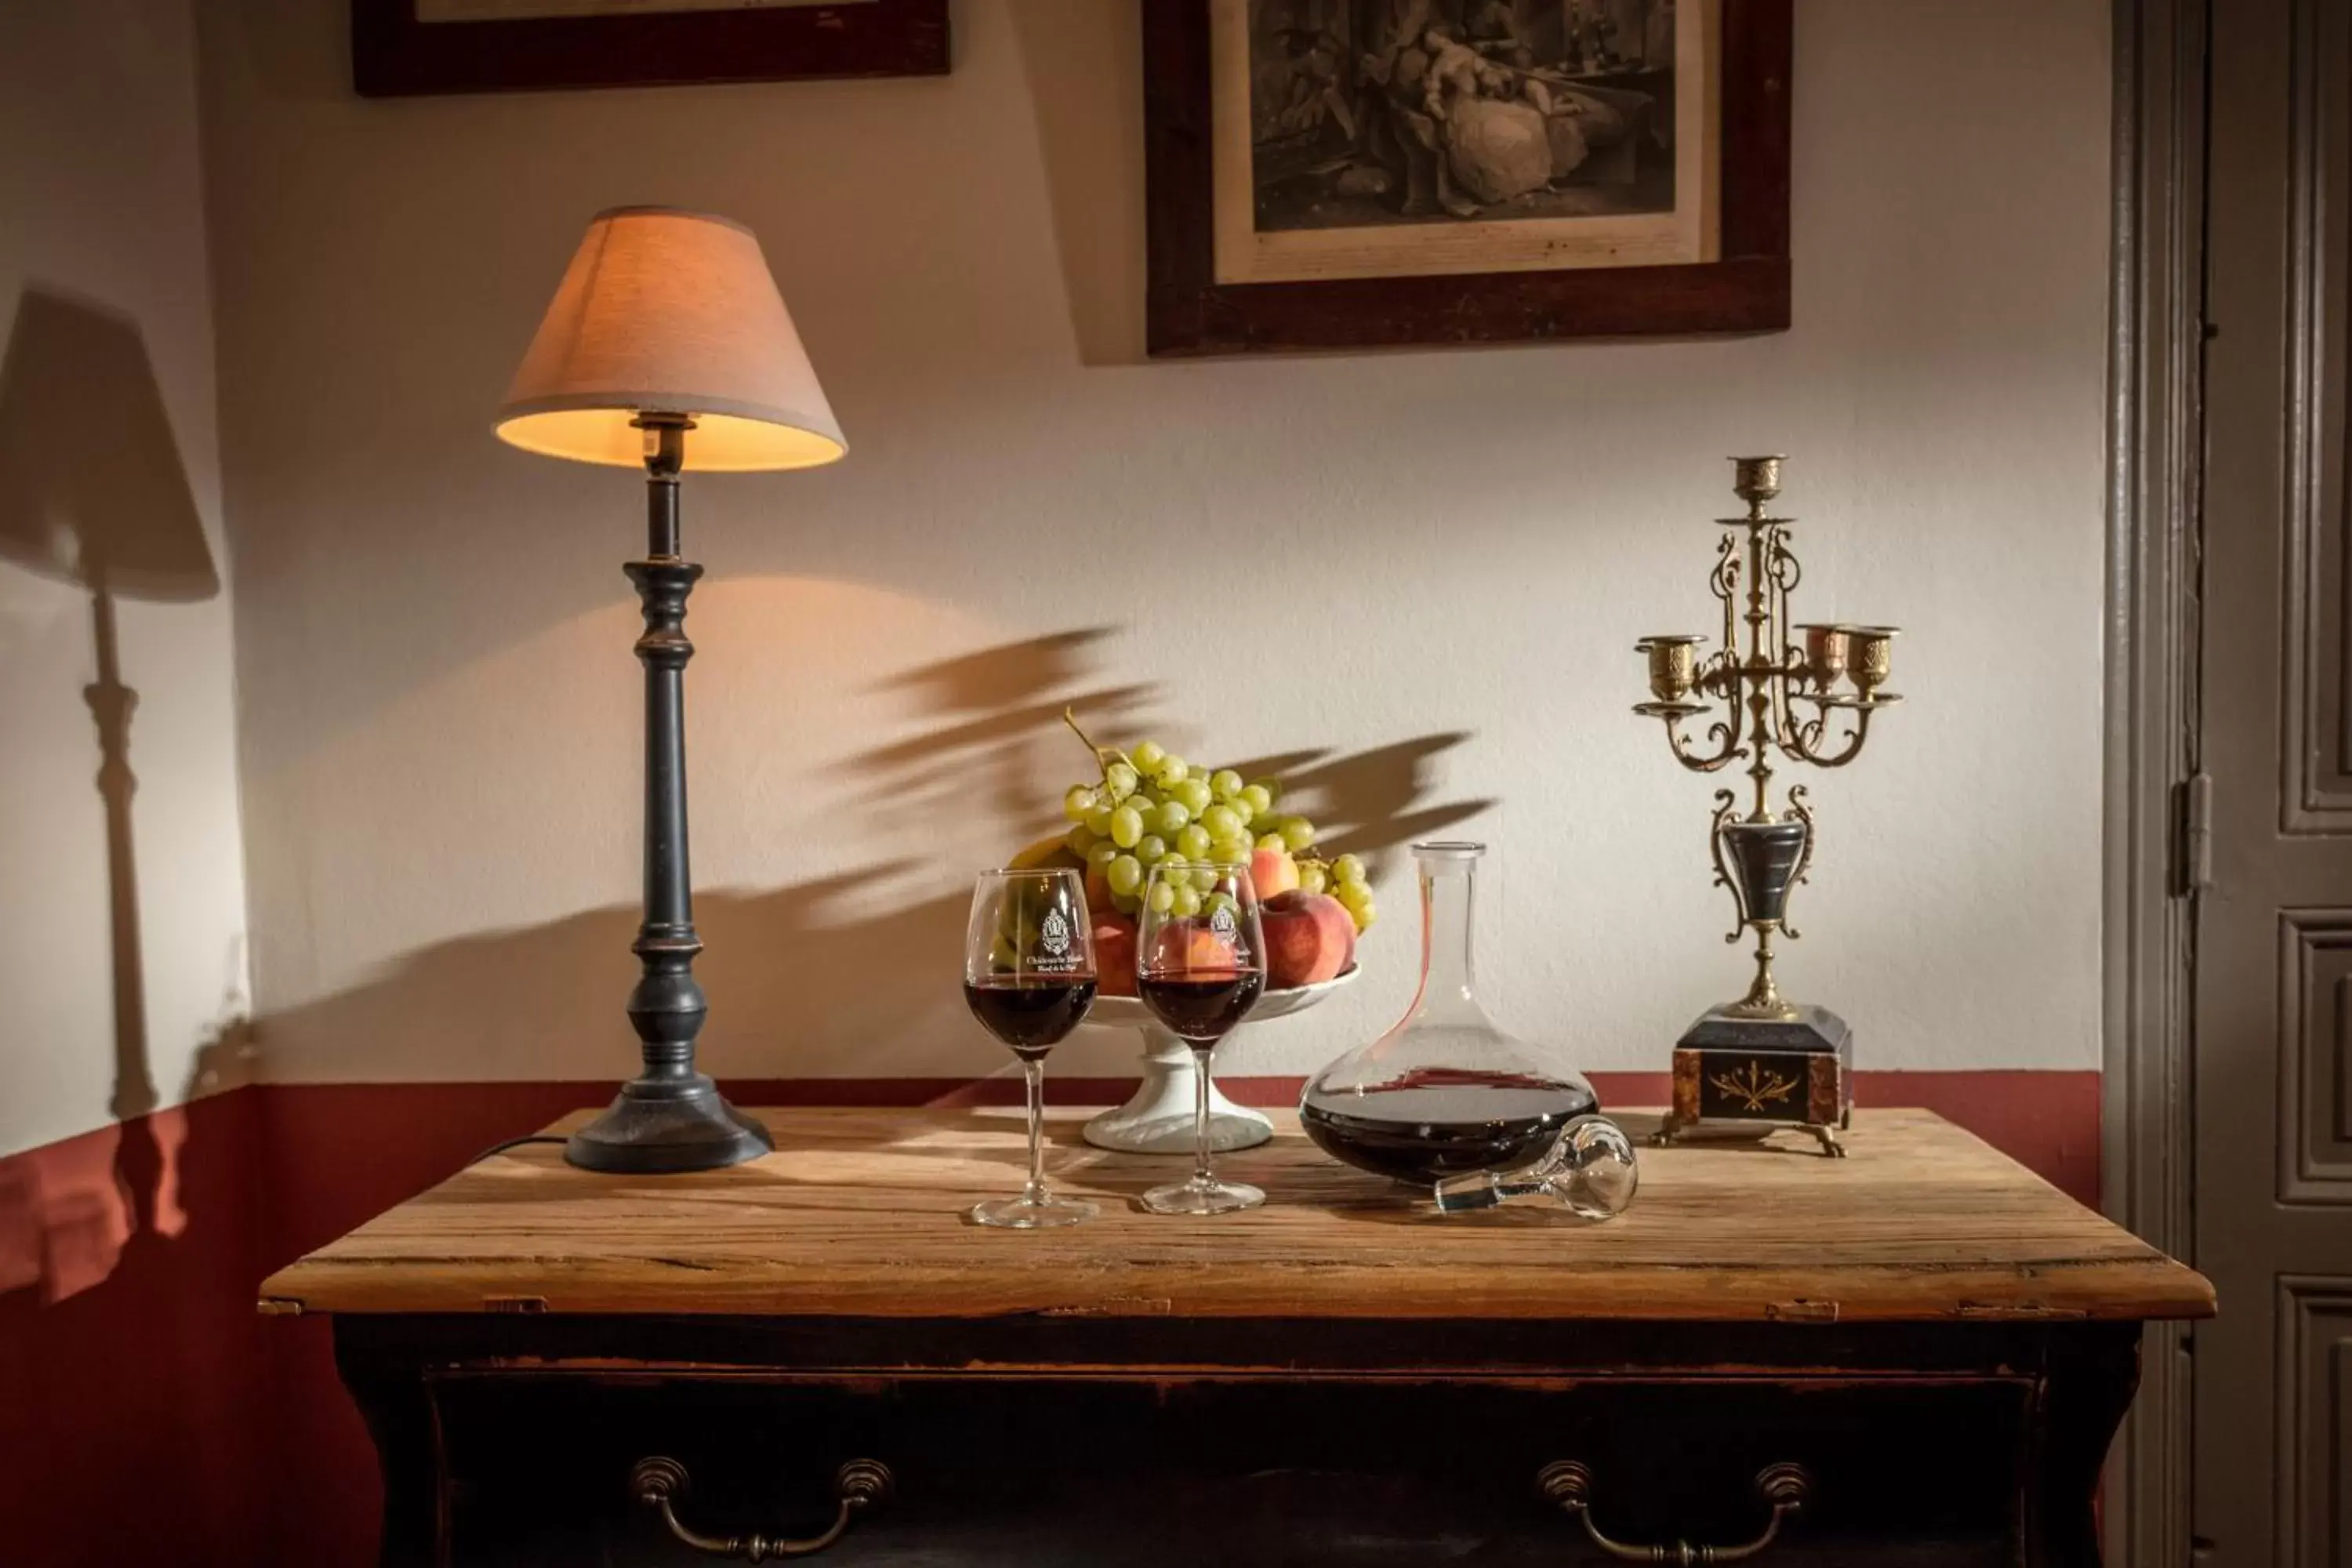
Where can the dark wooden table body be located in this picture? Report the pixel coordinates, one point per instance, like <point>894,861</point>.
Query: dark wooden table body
<point>1350,1383</point>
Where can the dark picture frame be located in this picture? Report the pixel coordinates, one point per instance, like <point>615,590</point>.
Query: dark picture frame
<point>395,54</point>
<point>1188,311</point>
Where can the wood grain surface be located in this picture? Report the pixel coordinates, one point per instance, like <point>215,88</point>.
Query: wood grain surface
<point>861,1214</point>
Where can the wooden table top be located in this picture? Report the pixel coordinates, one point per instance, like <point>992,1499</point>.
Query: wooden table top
<point>862,1214</point>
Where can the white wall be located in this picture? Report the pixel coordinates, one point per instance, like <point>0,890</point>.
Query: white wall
<point>102,245</point>
<point>439,707</point>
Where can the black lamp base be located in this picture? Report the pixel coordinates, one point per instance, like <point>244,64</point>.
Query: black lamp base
<point>659,1127</point>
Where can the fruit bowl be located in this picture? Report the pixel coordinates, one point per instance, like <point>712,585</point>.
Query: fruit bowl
<point>1157,1117</point>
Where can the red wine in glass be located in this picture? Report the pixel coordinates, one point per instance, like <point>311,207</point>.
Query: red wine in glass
<point>1032,1014</point>
<point>1201,1007</point>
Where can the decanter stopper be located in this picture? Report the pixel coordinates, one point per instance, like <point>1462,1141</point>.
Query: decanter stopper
<point>1589,1170</point>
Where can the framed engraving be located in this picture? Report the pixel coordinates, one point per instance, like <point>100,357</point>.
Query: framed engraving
<point>1328,174</point>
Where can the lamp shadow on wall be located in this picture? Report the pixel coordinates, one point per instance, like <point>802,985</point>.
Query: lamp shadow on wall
<point>94,1238</point>
<point>93,494</point>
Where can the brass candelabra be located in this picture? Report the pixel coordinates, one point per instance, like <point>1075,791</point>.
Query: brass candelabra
<point>1804,691</point>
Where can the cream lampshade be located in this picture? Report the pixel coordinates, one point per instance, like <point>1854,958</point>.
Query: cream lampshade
<point>667,311</point>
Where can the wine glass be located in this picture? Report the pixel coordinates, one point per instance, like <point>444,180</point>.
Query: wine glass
<point>1199,967</point>
<point>1029,978</point>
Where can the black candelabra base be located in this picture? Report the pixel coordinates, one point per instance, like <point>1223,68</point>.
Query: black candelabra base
<point>1796,1071</point>
<point>659,1126</point>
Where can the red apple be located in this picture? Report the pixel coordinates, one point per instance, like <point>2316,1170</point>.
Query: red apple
<point>1274,873</point>
<point>1308,938</point>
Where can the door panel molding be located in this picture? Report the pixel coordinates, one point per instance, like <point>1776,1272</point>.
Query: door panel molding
<point>2313,1489</point>
<point>2315,622</point>
<point>2314,1070</point>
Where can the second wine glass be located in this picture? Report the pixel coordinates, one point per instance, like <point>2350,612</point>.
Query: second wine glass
<point>1199,967</point>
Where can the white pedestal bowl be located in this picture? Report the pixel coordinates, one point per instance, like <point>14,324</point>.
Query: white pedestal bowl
<point>1158,1118</point>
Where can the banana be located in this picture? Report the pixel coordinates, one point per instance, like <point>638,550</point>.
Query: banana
<point>1048,853</point>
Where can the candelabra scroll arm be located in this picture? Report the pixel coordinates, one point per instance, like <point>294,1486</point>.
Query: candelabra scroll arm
<point>1785,571</point>
<point>1727,807</point>
<point>1799,808</point>
<point>1725,736</point>
<point>1808,737</point>
<point>1724,581</point>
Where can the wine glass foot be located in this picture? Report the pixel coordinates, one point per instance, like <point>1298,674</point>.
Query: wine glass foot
<point>1024,1213</point>
<point>1198,1197</point>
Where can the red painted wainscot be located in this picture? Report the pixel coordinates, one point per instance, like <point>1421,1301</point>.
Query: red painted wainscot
<point>148,1414</point>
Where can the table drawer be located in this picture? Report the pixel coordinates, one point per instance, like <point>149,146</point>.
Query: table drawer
<point>1184,1469</point>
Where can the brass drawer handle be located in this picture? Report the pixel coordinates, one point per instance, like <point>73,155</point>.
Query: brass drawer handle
<point>661,1483</point>
<point>1782,1488</point>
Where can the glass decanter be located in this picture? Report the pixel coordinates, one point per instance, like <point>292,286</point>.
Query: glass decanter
<point>1444,1091</point>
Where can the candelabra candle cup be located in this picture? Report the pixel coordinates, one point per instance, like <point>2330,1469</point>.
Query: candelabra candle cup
<point>1674,666</point>
<point>1756,479</point>
<point>1873,657</point>
<point>1825,652</point>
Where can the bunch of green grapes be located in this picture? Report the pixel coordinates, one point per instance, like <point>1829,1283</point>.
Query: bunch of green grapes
<point>1151,805</point>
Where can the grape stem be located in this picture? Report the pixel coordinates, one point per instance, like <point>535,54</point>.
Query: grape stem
<point>1104,755</point>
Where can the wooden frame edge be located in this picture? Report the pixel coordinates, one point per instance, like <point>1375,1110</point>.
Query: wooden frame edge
<point>392,55</point>
<point>2154,523</point>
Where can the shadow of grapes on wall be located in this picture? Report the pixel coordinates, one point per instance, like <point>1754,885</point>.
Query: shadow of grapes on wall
<point>850,975</point>
<point>1371,803</point>
<point>993,736</point>
<point>997,730</point>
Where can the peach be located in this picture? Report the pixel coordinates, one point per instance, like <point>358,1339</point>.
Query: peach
<point>1189,946</point>
<point>1274,873</point>
<point>1113,955</point>
<point>1308,938</point>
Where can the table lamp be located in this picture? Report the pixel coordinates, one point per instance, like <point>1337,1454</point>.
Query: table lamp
<point>668,326</point>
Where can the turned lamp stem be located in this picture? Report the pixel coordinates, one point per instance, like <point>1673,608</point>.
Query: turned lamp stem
<point>667,1005</point>
<point>671,1117</point>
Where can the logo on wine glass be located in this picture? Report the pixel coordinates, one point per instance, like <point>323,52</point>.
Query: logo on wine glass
<point>1053,933</point>
<point>1222,924</point>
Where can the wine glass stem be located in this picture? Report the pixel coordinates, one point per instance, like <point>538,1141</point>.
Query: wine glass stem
<point>1202,1174</point>
<point>1033,1074</point>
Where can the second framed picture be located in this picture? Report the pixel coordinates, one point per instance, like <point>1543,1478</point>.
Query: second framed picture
<point>400,48</point>
<point>1335,174</point>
